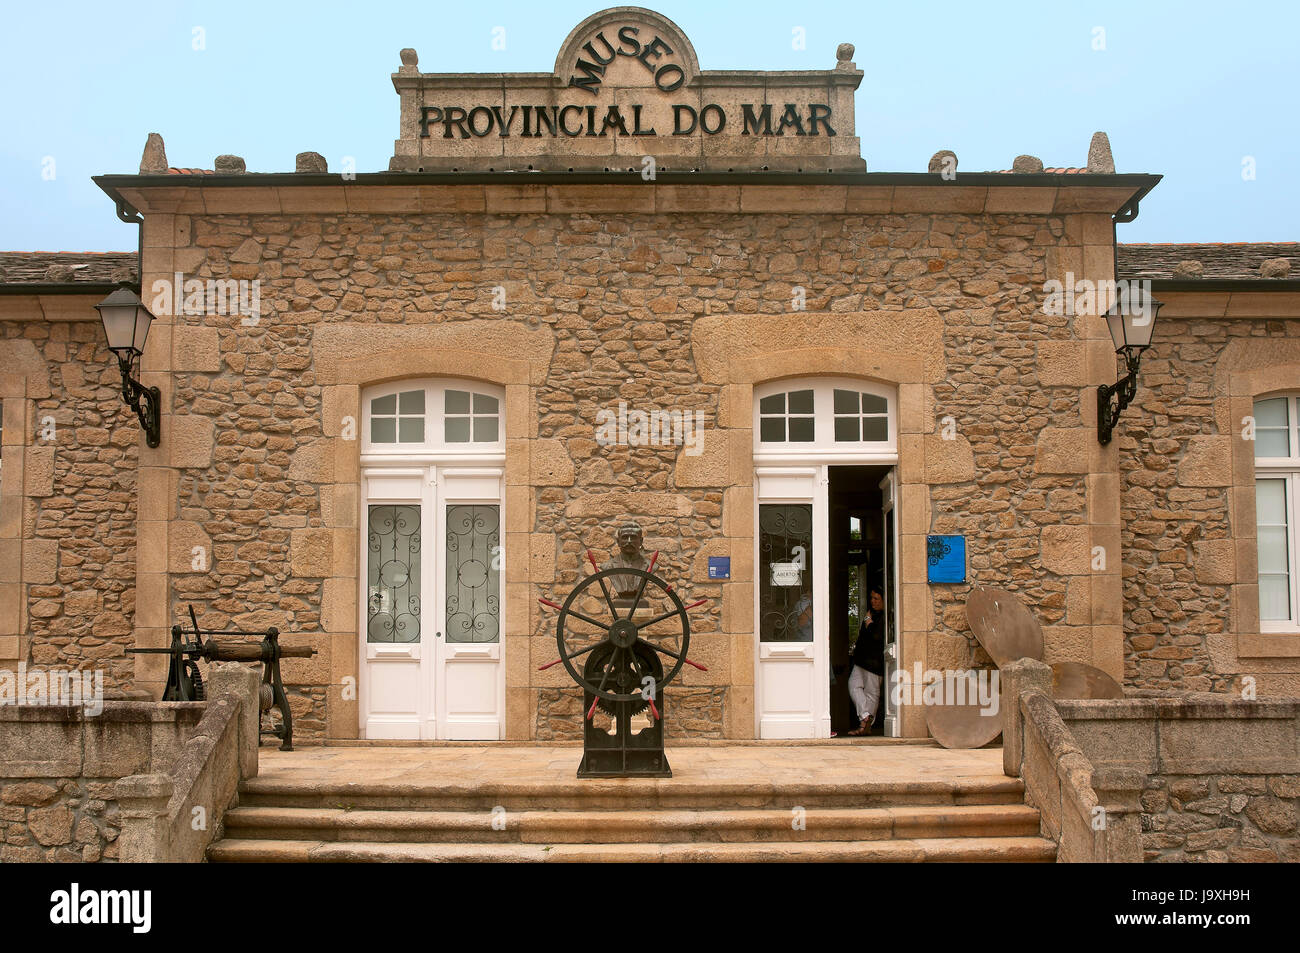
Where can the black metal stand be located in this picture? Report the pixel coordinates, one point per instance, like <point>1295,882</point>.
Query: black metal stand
<point>624,754</point>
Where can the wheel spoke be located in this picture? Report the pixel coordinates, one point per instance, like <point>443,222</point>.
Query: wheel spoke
<point>609,667</point>
<point>609,600</point>
<point>570,657</point>
<point>589,620</point>
<point>677,655</point>
<point>659,618</point>
<point>659,648</point>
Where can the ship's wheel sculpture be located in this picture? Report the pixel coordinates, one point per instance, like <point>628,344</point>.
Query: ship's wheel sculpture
<point>623,634</point>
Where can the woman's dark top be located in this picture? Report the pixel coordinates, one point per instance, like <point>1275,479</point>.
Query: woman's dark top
<point>869,650</point>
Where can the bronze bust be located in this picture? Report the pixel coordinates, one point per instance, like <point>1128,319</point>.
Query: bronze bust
<point>629,556</point>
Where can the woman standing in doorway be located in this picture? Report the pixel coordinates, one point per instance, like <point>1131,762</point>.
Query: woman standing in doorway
<point>868,664</point>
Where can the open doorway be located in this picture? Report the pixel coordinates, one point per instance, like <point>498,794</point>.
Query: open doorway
<point>862,560</point>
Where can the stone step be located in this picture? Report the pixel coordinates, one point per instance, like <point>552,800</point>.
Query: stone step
<point>633,826</point>
<point>626,794</point>
<point>953,849</point>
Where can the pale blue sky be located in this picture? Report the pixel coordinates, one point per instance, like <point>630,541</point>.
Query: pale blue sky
<point>1184,89</point>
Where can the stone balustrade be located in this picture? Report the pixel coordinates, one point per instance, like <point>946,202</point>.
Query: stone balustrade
<point>123,784</point>
<point>1201,777</point>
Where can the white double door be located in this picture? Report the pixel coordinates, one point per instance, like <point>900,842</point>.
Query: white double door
<point>792,595</point>
<point>431,601</point>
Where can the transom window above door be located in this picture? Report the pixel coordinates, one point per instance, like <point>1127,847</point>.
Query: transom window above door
<point>824,415</point>
<point>451,416</point>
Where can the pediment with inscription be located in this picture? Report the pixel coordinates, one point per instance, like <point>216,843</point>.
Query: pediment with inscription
<point>627,93</point>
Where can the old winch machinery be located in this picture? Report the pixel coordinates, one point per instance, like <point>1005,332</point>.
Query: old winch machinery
<point>185,682</point>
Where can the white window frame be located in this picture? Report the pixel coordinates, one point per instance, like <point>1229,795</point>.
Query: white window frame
<point>435,444</point>
<point>1287,469</point>
<point>825,447</point>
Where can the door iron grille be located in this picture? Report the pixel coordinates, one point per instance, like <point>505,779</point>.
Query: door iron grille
<point>393,574</point>
<point>473,573</point>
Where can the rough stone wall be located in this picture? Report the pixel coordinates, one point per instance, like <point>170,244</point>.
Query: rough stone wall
<point>78,546</point>
<point>1006,396</point>
<point>692,713</point>
<point>1221,818</point>
<point>620,294</point>
<point>1176,505</point>
<point>58,820</point>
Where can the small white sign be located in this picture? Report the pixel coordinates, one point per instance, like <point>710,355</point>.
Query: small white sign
<point>786,574</point>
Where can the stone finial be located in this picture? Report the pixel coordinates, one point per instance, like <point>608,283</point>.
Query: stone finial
<point>1027,164</point>
<point>1275,268</point>
<point>229,165</point>
<point>943,161</point>
<point>410,61</point>
<point>154,159</point>
<point>310,162</point>
<point>844,53</point>
<point>1099,157</point>
<point>58,272</point>
<point>1189,269</point>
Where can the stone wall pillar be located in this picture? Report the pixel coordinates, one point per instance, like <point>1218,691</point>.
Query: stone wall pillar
<point>143,800</point>
<point>1118,791</point>
<point>156,479</point>
<point>13,602</point>
<point>244,683</point>
<point>1023,675</point>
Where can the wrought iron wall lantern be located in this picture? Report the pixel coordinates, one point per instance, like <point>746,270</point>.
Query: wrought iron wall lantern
<point>1131,320</point>
<point>126,325</point>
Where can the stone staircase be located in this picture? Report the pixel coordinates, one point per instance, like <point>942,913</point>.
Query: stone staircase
<point>980,818</point>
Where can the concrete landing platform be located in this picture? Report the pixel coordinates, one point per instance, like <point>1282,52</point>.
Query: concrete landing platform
<point>767,764</point>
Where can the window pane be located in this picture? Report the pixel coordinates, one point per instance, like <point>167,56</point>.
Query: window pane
<point>457,402</point>
<point>473,573</point>
<point>846,429</point>
<point>785,583</point>
<point>875,428</point>
<point>393,573</point>
<point>485,404</point>
<point>412,402</point>
<point>1271,412</point>
<point>383,430</point>
<point>384,405</point>
<point>846,401</point>
<point>774,404</point>
<point>485,429</point>
<point>457,430</point>
<point>1270,502</point>
<point>872,404</point>
<point>1272,550</point>
<point>1272,443</point>
<point>1272,429</point>
<point>411,430</point>
<point>1274,557</point>
<point>771,429</point>
<point>801,430</point>
<point>801,402</point>
<point>1275,597</point>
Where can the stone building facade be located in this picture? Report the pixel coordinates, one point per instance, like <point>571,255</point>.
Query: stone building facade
<point>562,294</point>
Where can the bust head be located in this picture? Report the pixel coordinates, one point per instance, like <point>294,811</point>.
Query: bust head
<point>629,540</point>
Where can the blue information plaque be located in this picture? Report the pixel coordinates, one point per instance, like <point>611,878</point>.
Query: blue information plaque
<point>719,567</point>
<point>945,558</point>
